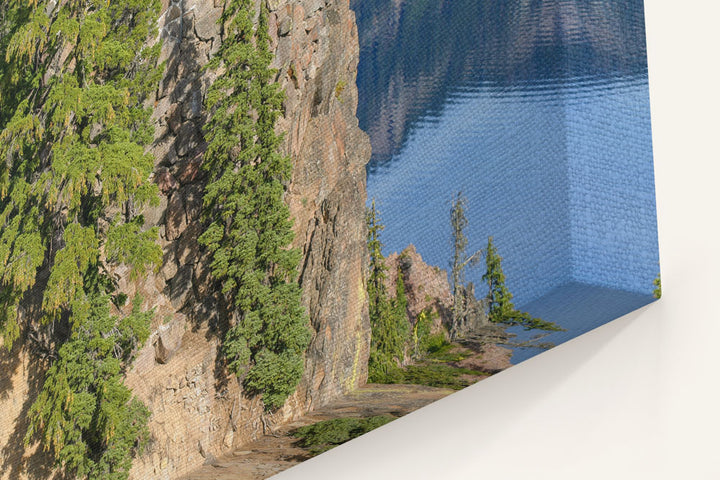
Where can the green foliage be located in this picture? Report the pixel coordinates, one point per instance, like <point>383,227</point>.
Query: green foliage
<point>322,436</point>
<point>434,375</point>
<point>431,350</point>
<point>421,333</point>
<point>436,343</point>
<point>657,291</point>
<point>443,351</point>
<point>74,130</point>
<point>275,376</point>
<point>250,229</point>
<point>84,413</point>
<point>400,319</point>
<point>128,244</point>
<point>65,286</point>
<point>390,329</point>
<point>340,88</point>
<point>424,341</point>
<point>501,308</point>
<point>376,280</point>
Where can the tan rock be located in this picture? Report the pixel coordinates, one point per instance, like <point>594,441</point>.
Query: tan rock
<point>175,218</point>
<point>426,286</point>
<point>169,338</point>
<point>192,396</point>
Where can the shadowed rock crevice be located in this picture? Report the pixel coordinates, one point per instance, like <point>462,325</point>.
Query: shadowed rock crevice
<point>16,461</point>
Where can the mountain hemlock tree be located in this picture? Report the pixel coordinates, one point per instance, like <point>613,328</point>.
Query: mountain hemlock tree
<point>250,229</point>
<point>388,317</point>
<point>460,261</point>
<point>501,310</point>
<point>376,279</point>
<point>74,76</point>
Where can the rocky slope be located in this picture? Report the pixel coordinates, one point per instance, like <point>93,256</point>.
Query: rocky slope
<point>198,410</point>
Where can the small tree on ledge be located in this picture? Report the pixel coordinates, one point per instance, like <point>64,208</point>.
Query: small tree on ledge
<point>388,316</point>
<point>501,310</point>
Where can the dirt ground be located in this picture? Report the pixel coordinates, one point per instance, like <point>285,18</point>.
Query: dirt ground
<point>272,454</point>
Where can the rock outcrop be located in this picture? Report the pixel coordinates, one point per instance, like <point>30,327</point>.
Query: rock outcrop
<point>426,287</point>
<point>198,409</point>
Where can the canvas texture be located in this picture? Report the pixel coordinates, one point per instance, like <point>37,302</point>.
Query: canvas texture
<point>239,233</point>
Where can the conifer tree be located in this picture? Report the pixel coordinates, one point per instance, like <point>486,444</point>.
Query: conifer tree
<point>501,308</point>
<point>249,231</point>
<point>376,278</point>
<point>84,413</point>
<point>460,261</point>
<point>74,76</point>
<point>388,317</point>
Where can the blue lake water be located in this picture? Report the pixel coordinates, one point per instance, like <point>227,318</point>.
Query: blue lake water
<point>538,111</point>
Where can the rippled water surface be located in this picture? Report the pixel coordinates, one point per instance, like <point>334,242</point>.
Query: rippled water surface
<point>538,111</point>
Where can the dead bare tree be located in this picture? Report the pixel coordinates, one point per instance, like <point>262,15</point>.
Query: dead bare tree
<point>462,302</point>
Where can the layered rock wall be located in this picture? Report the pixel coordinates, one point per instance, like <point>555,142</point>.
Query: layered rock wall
<point>198,409</point>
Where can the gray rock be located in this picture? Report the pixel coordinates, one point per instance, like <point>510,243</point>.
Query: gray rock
<point>187,138</point>
<point>202,277</point>
<point>206,20</point>
<point>164,151</point>
<point>154,215</point>
<point>144,360</point>
<point>165,181</point>
<point>170,267</point>
<point>192,107</point>
<point>285,27</point>
<point>274,4</point>
<point>172,31</point>
<point>193,195</point>
<point>189,170</point>
<point>172,14</point>
<point>174,117</point>
<point>312,6</point>
<point>169,338</point>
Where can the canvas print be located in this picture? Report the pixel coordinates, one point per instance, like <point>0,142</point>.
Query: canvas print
<point>235,234</point>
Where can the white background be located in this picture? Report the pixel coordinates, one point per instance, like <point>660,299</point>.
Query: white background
<point>638,398</point>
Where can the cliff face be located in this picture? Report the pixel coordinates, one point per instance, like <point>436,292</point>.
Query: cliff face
<point>198,409</point>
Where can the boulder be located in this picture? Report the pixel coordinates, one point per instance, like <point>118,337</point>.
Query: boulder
<point>169,338</point>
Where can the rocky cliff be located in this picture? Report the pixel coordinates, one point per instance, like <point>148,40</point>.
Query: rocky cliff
<point>198,409</point>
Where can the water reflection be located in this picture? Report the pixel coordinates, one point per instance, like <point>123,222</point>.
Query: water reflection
<point>415,54</point>
<point>538,110</point>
